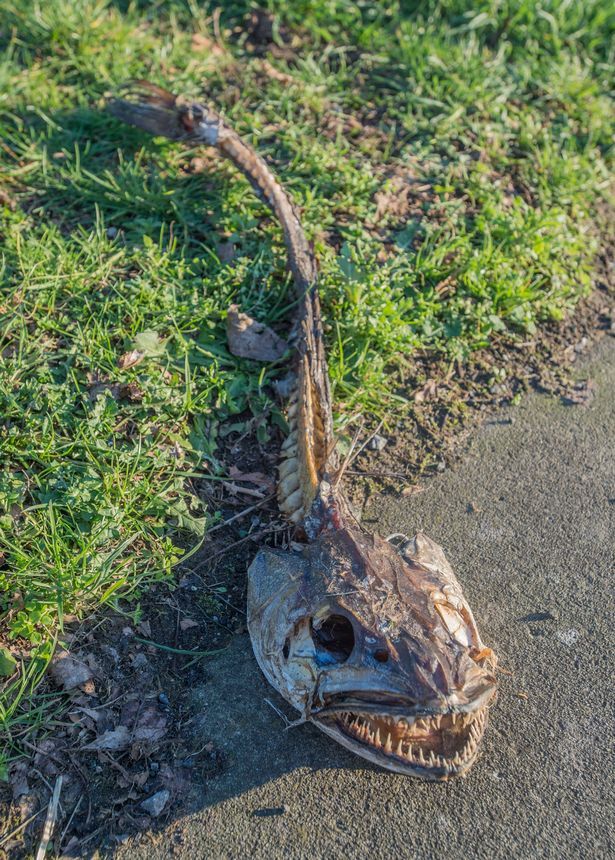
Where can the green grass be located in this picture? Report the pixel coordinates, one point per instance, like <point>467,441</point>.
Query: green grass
<point>499,116</point>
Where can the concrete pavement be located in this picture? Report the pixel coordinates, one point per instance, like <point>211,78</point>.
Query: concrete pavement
<point>527,518</point>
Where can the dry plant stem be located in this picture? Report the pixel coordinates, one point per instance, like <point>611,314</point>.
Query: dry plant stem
<point>52,814</point>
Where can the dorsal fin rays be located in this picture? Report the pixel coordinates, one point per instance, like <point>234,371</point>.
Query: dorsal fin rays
<point>309,455</point>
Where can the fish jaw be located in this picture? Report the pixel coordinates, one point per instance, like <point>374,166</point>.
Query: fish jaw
<point>428,741</point>
<point>378,649</point>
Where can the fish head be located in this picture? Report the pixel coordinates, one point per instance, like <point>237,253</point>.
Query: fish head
<point>376,645</point>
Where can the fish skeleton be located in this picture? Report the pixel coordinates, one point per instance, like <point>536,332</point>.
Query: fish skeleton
<point>373,642</point>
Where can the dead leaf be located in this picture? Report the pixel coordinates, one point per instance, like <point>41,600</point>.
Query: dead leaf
<point>258,478</point>
<point>145,628</point>
<point>7,200</point>
<point>147,721</point>
<point>18,776</point>
<point>428,392</point>
<point>130,359</point>
<point>248,338</point>
<point>68,672</point>
<point>8,663</point>
<point>115,739</point>
<point>392,201</point>
<point>187,623</point>
<point>201,43</point>
<point>152,726</point>
<point>276,74</point>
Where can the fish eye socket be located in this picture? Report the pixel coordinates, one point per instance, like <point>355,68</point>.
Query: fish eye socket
<point>334,636</point>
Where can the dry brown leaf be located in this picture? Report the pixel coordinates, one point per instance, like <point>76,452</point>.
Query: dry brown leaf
<point>258,478</point>
<point>428,392</point>
<point>68,672</point>
<point>115,739</point>
<point>248,338</point>
<point>187,623</point>
<point>202,43</point>
<point>276,74</point>
<point>392,202</point>
<point>130,359</point>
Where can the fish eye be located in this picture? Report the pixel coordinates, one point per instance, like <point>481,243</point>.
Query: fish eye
<point>334,636</point>
<point>381,655</point>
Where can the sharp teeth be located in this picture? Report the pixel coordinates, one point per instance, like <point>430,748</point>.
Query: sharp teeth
<point>388,746</point>
<point>438,721</point>
<point>421,756</point>
<point>432,758</point>
<point>377,739</point>
<point>409,752</point>
<point>399,750</point>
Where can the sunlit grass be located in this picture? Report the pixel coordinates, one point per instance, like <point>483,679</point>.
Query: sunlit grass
<point>493,119</point>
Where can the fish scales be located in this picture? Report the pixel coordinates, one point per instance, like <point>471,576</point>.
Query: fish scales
<point>373,642</point>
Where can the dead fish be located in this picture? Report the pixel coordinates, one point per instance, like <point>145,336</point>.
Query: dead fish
<point>373,642</point>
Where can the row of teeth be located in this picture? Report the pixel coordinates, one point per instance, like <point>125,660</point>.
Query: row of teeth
<point>457,721</point>
<point>413,753</point>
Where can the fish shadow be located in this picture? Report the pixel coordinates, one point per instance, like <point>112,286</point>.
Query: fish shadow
<point>243,716</point>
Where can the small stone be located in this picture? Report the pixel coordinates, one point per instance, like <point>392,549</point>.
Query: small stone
<point>164,700</point>
<point>377,443</point>
<point>111,232</point>
<point>156,803</point>
<point>568,637</point>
